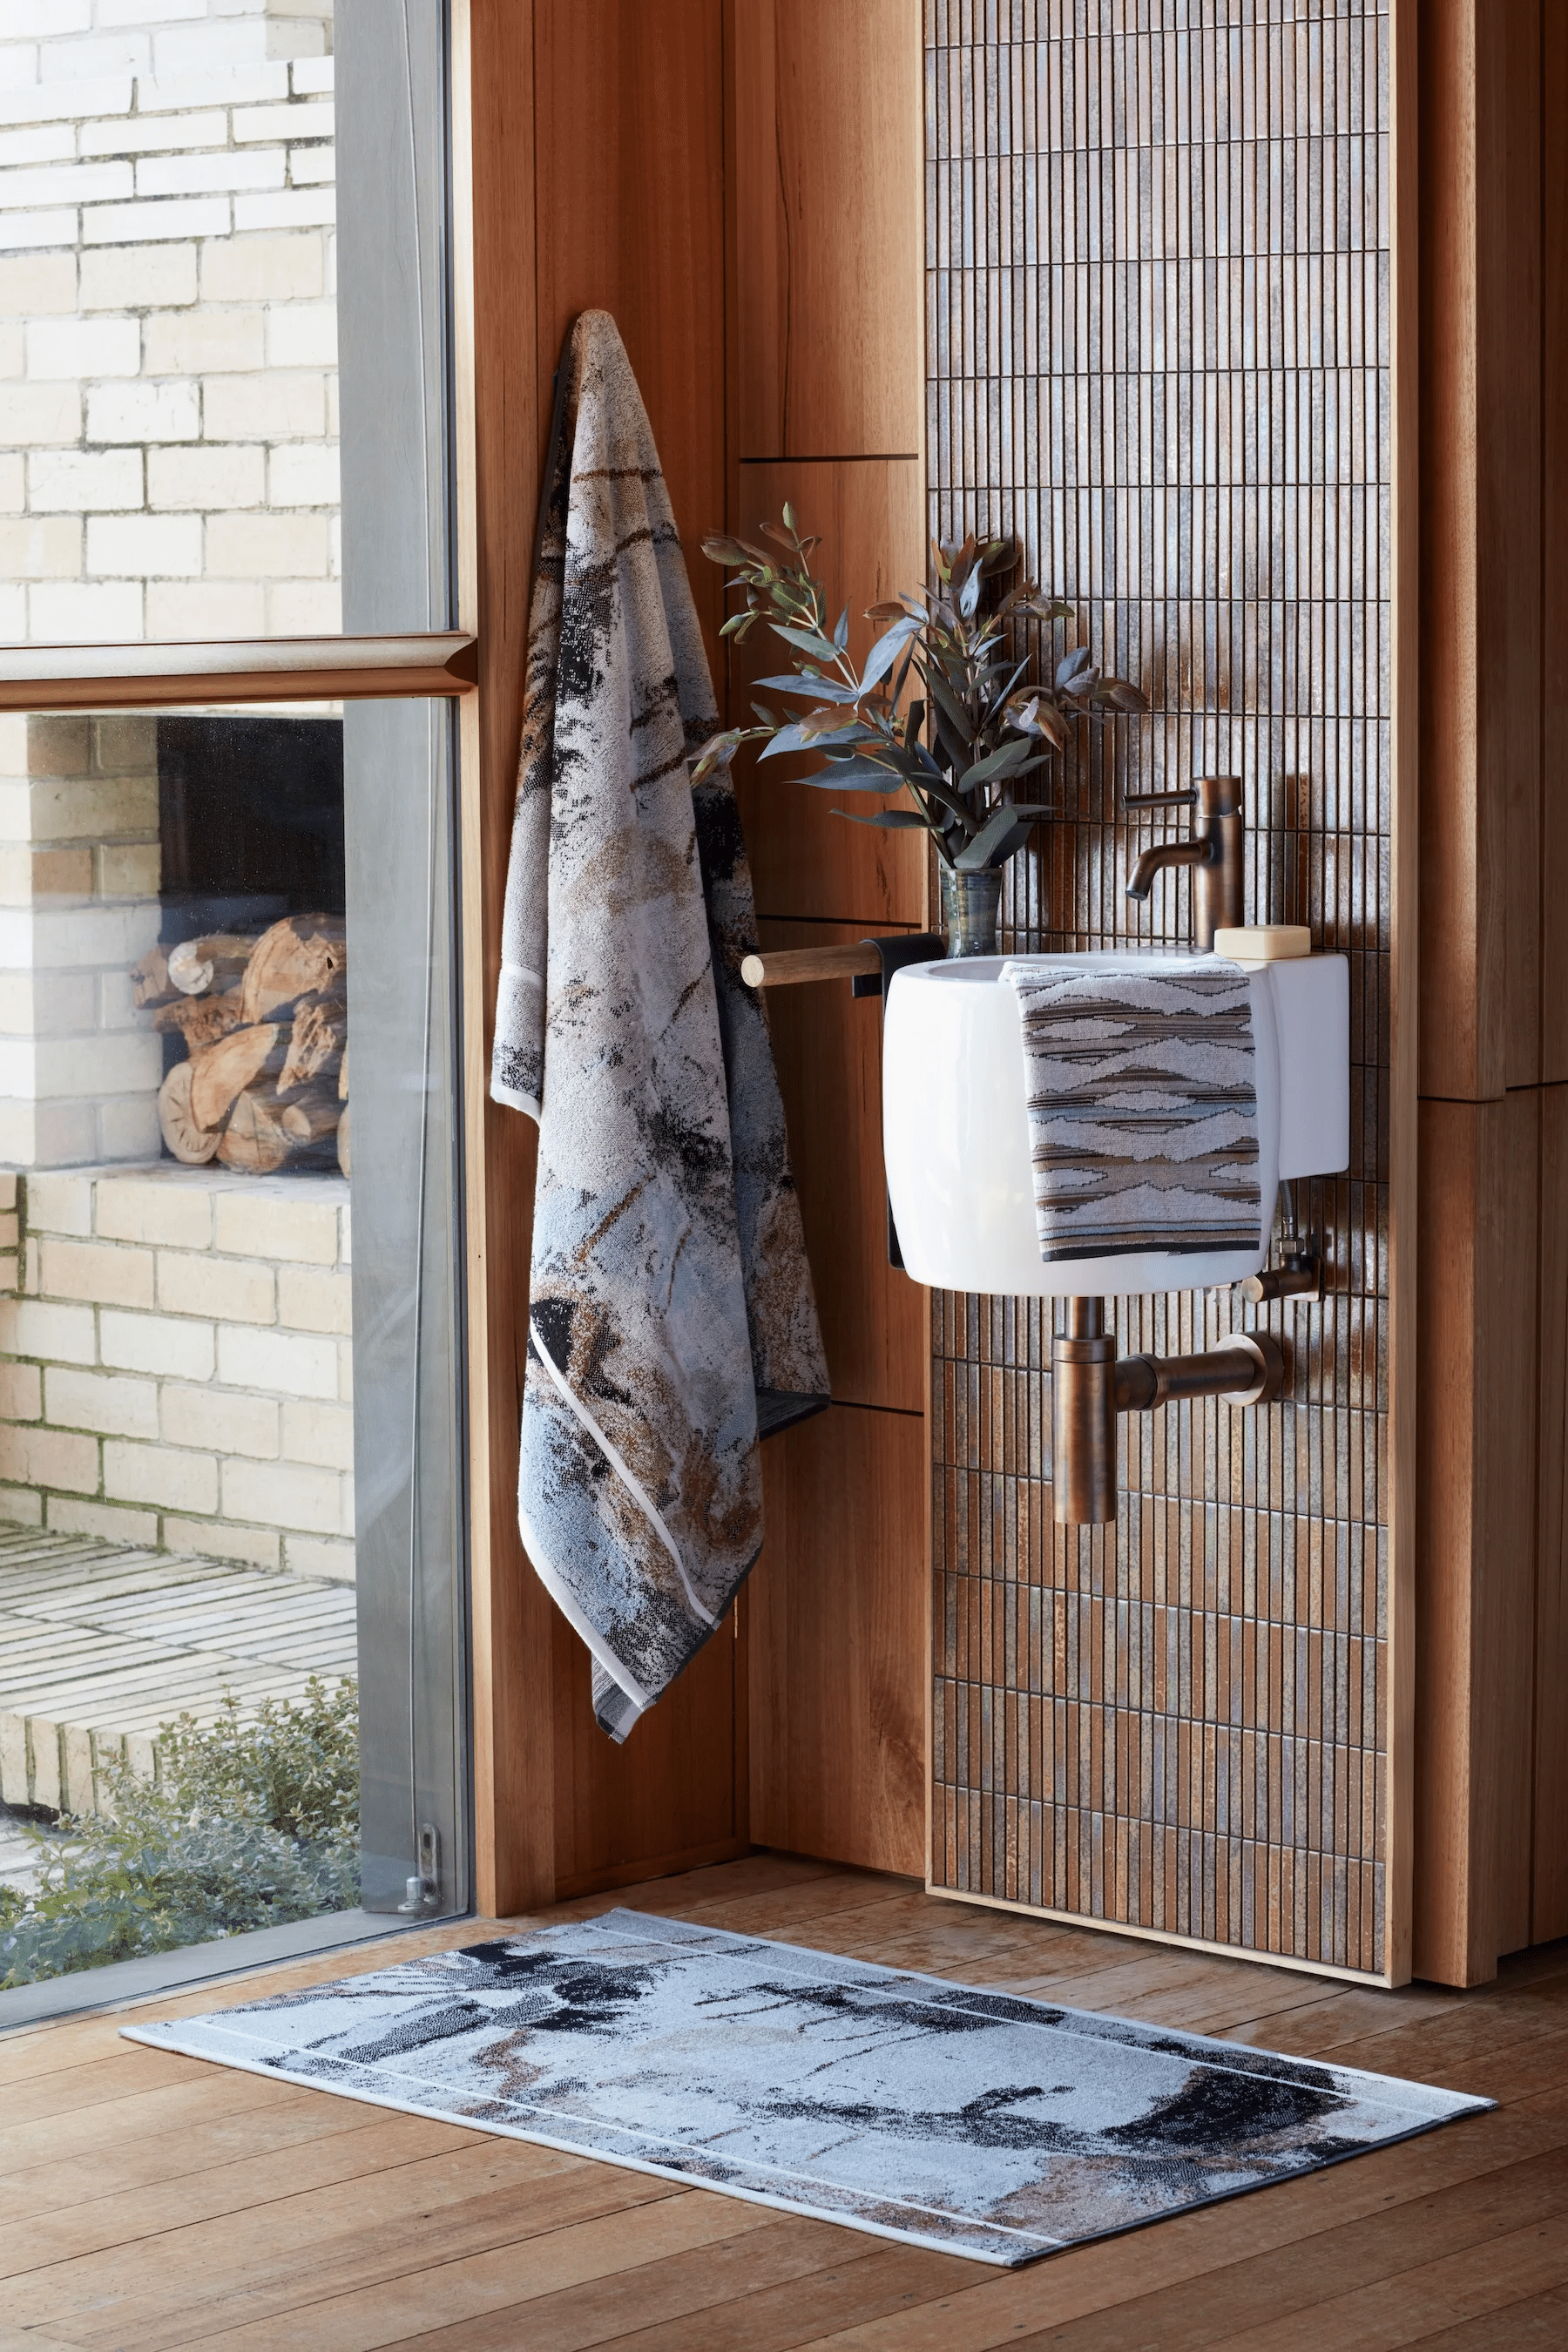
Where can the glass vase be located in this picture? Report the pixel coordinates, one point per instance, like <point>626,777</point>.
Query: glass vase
<point>970,904</point>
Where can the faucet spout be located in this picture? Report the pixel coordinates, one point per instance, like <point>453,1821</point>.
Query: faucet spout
<point>1215,851</point>
<point>1165,853</point>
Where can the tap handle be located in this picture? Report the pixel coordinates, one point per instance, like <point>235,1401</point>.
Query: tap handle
<point>1213,795</point>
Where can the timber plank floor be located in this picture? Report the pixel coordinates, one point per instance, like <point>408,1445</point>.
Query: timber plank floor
<point>149,2200</point>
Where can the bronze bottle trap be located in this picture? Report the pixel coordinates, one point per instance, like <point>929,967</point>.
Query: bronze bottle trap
<point>1091,1385</point>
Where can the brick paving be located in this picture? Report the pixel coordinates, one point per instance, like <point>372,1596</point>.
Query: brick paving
<point>100,1644</point>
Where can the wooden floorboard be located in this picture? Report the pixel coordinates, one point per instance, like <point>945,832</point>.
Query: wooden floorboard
<point>149,2200</point>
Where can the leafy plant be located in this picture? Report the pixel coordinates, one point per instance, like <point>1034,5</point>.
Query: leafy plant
<point>962,743</point>
<point>254,1822</point>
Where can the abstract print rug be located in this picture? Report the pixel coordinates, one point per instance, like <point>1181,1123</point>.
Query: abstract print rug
<point>971,2122</point>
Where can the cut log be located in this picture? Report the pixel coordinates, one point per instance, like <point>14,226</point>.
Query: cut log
<point>222,1071</point>
<point>164,975</point>
<point>264,1135</point>
<point>317,1043</point>
<point>312,1118</point>
<point>343,1077</point>
<point>150,982</point>
<point>199,1020</point>
<point>305,955</point>
<point>185,1136</point>
<point>218,962</point>
<point>256,1140</point>
<point>343,1140</point>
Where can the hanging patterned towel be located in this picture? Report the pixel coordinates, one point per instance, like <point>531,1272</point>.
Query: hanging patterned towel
<point>671,1314</point>
<point>1142,1106</point>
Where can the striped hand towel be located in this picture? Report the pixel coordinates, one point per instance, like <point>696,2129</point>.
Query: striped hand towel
<point>1142,1106</point>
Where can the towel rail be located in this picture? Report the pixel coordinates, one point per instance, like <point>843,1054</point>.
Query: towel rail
<point>782,967</point>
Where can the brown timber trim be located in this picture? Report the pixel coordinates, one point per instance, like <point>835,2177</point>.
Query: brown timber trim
<point>499,464</point>
<point>1398,1726</point>
<point>261,669</point>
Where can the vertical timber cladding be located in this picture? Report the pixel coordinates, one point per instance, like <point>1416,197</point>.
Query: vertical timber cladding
<point>1158,342</point>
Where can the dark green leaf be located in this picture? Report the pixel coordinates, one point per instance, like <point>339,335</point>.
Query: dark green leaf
<point>942,694</point>
<point>1004,831</point>
<point>1006,760</point>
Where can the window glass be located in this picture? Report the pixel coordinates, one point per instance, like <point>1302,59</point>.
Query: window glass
<point>169,317</point>
<point>229,1523</point>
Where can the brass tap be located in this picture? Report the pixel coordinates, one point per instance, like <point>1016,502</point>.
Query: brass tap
<point>1214,851</point>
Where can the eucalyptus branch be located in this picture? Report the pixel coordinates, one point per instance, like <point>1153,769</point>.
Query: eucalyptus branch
<point>976,730</point>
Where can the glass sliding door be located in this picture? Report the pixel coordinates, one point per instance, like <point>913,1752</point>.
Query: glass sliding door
<point>231,1434</point>
<point>408,1353</point>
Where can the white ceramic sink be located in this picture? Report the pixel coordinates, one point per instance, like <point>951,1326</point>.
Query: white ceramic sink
<point>955,1126</point>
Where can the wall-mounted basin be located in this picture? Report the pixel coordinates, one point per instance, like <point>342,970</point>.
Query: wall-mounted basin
<point>955,1124</point>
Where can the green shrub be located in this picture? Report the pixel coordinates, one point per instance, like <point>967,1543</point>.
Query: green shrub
<point>252,1824</point>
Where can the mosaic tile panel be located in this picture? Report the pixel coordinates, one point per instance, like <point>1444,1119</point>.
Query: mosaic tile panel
<point>1158,329</point>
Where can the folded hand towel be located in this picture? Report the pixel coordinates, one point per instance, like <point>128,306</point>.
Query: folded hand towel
<point>1142,1106</point>
<point>671,1307</point>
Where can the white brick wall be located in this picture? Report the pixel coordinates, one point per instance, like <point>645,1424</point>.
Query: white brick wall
<point>79,871</point>
<point>168,461</point>
<point>166,281</point>
<point>174,1372</point>
<point>173,1363</point>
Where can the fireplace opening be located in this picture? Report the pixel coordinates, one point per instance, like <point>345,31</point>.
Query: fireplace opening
<point>248,981</point>
<point>250,820</point>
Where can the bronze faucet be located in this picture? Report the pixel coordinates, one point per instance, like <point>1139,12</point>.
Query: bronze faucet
<point>1213,852</point>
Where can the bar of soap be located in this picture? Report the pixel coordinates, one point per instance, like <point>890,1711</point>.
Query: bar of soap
<point>1263,942</point>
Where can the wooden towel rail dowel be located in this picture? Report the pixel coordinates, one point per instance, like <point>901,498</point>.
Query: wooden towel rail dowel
<point>781,967</point>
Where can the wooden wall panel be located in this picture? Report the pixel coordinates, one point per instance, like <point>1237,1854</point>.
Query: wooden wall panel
<point>827,149</point>
<point>672,1797</point>
<point>1482,555</point>
<point>804,860</point>
<point>498,430</point>
<point>836,1607</point>
<point>828,1048</point>
<point>629,140</point>
<point>827,273</point>
<point>1494,852</point>
<point>593,132</point>
<point>1475,1564</point>
<point>641,234</point>
<point>1509,510</point>
<point>1405,976</point>
<point>1549,1892</point>
<point>1554,582</point>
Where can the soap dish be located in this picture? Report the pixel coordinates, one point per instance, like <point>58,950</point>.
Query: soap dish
<point>1263,942</point>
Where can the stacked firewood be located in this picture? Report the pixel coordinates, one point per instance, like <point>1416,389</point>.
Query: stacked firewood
<point>265,1023</point>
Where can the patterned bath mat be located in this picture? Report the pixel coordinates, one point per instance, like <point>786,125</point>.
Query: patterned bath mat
<point>971,2122</point>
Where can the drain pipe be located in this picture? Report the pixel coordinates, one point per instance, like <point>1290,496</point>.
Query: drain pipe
<point>1090,1386</point>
